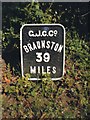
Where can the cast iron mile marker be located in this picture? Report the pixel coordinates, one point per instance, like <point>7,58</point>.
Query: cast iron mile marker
<point>42,50</point>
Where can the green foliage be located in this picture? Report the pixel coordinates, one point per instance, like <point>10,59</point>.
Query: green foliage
<point>67,98</point>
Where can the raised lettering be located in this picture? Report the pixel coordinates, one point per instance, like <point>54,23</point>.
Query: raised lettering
<point>26,49</point>
<point>33,69</point>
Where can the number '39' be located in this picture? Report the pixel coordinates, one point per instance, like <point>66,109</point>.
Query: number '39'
<point>42,57</point>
